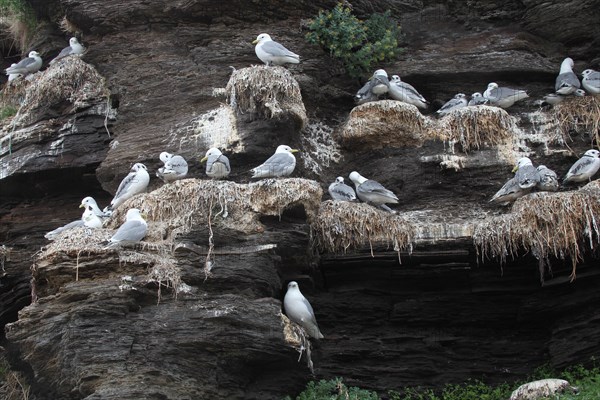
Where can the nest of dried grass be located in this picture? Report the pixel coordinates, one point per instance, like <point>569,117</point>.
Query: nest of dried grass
<point>296,337</point>
<point>475,127</point>
<point>70,80</point>
<point>560,225</point>
<point>384,123</point>
<point>578,114</point>
<point>341,226</point>
<point>269,92</point>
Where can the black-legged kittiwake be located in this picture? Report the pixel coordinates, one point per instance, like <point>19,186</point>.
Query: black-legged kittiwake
<point>372,192</point>
<point>378,84</point>
<point>272,53</point>
<point>555,98</point>
<point>584,168</point>
<point>526,174</point>
<point>299,310</point>
<point>338,190</point>
<point>282,163</point>
<point>591,81</point>
<point>132,230</point>
<point>406,93</point>
<point>12,77</point>
<point>134,183</point>
<point>477,99</point>
<point>509,192</point>
<point>566,82</point>
<point>175,167</point>
<point>217,164</point>
<point>89,219</point>
<point>28,65</point>
<point>502,96</point>
<point>548,179</point>
<point>74,48</point>
<point>457,102</point>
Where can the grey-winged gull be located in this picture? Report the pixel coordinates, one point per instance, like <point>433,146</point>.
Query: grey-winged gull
<point>526,174</point>
<point>217,164</point>
<point>338,190</point>
<point>272,53</point>
<point>74,48</point>
<point>477,99</point>
<point>372,192</point>
<point>406,93</point>
<point>457,102</point>
<point>566,82</point>
<point>28,65</point>
<point>591,81</point>
<point>555,98</point>
<point>132,230</point>
<point>509,192</point>
<point>502,96</point>
<point>134,183</point>
<point>282,163</point>
<point>584,168</point>
<point>12,77</point>
<point>89,219</point>
<point>548,179</point>
<point>175,167</point>
<point>299,310</point>
<point>377,85</point>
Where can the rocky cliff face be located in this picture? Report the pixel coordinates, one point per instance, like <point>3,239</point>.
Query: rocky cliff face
<point>195,313</point>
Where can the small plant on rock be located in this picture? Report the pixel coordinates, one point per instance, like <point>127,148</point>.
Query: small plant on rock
<point>334,389</point>
<point>357,44</point>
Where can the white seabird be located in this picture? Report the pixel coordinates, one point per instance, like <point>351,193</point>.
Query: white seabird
<point>373,192</point>
<point>502,96</point>
<point>406,93</point>
<point>282,163</point>
<point>566,81</point>
<point>74,48</point>
<point>509,192</point>
<point>299,310</point>
<point>272,53</point>
<point>28,65</point>
<point>134,183</point>
<point>548,179</point>
<point>132,230</point>
<point>338,190</point>
<point>477,99</point>
<point>526,174</point>
<point>584,168</point>
<point>457,102</point>
<point>175,167</point>
<point>591,81</point>
<point>217,164</point>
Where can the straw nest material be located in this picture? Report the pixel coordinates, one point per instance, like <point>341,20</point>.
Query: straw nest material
<point>296,337</point>
<point>269,92</point>
<point>560,225</point>
<point>579,114</point>
<point>341,226</point>
<point>384,123</point>
<point>70,80</point>
<point>475,127</point>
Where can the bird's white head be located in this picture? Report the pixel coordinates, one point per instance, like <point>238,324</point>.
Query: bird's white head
<point>587,72</point>
<point>73,41</point>
<point>476,95</point>
<point>492,86</point>
<point>263,37</point>
<point>164,156</point>
<point>138,166</point>
<point>396,78</point>
<point>592,153</point>
<point>579,93</point>
<point>523,161</point>
<point>293,286</point>
<point>357,178</point>
<point>339,179</point>
<point>285,149</point>
<point>133,213</point>
<point>567,63</point>
<point>541,167</point>
<point>380,72</point>
<point>33,54</point>
<point>88,201</point>
<point>213,151</point>
<point>460,96</point>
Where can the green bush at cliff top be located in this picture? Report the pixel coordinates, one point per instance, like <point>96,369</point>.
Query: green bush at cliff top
<point>359,45</point>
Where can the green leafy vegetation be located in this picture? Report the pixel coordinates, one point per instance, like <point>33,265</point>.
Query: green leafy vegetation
<point>6,112</point>
<point>21,20</point>
<point>334,389</point>
<point>357,44</point>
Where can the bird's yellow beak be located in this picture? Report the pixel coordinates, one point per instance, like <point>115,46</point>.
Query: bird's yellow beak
<point>144,215</point>
<point>294,150</point>
<point>515,169</point>
<point>255,41</point>
<point>204,159</point>
<point>81,205</point>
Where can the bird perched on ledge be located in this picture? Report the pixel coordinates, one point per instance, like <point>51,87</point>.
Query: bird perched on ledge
<point>299,310</point>
<point>282,163</point>
<point>272,53</point>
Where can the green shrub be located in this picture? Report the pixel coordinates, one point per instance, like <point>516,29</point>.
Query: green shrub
<point>7,111</point>
<point>471,390</point>
<point>21,20</point>
<point>334,389</point>
<point>357,44</point>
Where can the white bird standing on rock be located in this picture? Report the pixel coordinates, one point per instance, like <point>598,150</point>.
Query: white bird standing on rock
<point>338,190</point>
<point>526,174</point>
<point>584,168</point>
<point>376,86</point>
<point>406,93</point>
<point>74,48</point>
<point>502,96</point>
<point>299,310</point>
<point>217,164</point>
<point>132,230</point>
<point>134,183</point>
<point>566,81</point>
<point>272,53</point>
<point>282,163</point>
<point>591,81</point>
<point>459,101</point>
<point>477,99</point>
<point>26,66</point>
<point>372,192</point>
<point>175,167</point>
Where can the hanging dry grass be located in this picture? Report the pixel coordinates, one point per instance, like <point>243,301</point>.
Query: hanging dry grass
<point>560,225</point>
<point>341,226</point>
<point>384,123</point>
<point>269,92</point>
<point>475,127</point>
<point>296,337</point>
<point>576,114</point>
<point>70,80</point>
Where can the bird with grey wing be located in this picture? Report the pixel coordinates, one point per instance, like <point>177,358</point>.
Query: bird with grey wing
<point>378,85</point>
<point>477,99</point>
<point>459,101</point>
<point>131,231</point>
<point>526,174</point>
<point>566,82</point>
<point>591,81</point>
<point>74,48</point>
<point>373,192</point>
<point>282,163</point>
<point>338,190</point>
<point>217,164</point>
<point>175,167</point>
<point>272,53</point>
<point>134,183</point>
<point>28,65</point>
<point>299,310</point>
<point>584,168</point>
<point>406,93</point>
<point>91,218</point>
<point>548,179</point>
<point>503,97</point>
<point>509,192</point>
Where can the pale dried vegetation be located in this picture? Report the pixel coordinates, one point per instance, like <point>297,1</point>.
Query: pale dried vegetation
<point>268,92</point>
<point>342,226</point>
<point>578,114</point>
<point>385,123</point>
<point>296,336</point>
<point>560,225</point>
